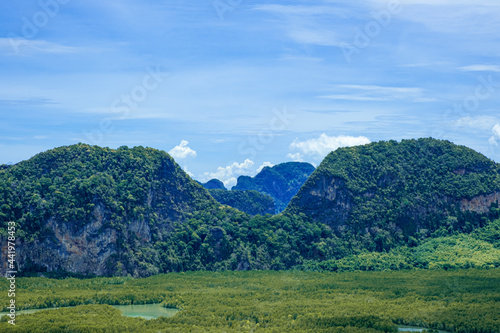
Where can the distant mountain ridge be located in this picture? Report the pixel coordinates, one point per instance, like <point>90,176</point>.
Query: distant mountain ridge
<point>281,182</point>
<point>214,184</point>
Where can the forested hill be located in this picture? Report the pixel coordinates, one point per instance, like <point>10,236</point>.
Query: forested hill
<point>388,193</point>
<point>96,211</point>
<point>77,205</point>
<point>281,182</point>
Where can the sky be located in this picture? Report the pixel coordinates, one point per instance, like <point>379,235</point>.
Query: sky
<point>230,86</point>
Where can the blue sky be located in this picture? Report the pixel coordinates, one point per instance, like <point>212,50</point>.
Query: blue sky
<point>229,86</point>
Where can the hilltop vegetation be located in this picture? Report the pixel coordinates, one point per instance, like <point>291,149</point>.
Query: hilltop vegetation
<point>71,183</point>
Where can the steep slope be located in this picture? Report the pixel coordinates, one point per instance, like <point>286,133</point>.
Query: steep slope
<point>281,182</point>
<point>82,208</point>
<point>388,193</point>
<point>250,202</point>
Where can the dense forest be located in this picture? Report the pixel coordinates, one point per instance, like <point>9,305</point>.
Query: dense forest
<point>85,210</point>
<point>391,193</point>
<point>464,301</point>
<point>250,202</point>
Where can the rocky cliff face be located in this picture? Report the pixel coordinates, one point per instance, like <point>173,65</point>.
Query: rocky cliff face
<point>62,248</point>
<point>480,204</point>
<point>328,200</point>
<point>96,219</point>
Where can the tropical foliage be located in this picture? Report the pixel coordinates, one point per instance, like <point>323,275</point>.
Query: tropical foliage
<point>186,229</point>
<point>391,193</point>
<point>250,202</point>
<point>264,301</point>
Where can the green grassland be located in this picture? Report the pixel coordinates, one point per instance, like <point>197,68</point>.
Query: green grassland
<point>265,301</point>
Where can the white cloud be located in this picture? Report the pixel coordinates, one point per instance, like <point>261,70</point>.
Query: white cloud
<point>496,135</point>
<point>323,145</point>
<point>480,68</point>
<point>269,164</point>
<point>480,123</point>
<point>228,174</point>
<point>182,151</point>
<point>496,130</point>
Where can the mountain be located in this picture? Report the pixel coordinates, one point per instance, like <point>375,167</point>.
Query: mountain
<point>281,182</point>
<point>214,184</point>
<point>250,202</point>
<point>390,193</point>
<point>84,208</point>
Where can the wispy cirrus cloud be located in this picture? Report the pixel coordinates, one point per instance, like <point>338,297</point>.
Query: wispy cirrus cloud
<point>480,68</point>
<point>308,25</point>
<point>374,93</point>
<point>493,3</point>
<point>315,37</point>
<point>479,123</point>
<point>301,10</point>
<point>22,46</point>
<point>27,102</point>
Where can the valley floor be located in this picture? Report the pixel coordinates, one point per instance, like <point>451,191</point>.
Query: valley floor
<point>266,301</point>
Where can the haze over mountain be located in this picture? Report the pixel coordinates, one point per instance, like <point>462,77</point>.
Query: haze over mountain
<point>281,182</point>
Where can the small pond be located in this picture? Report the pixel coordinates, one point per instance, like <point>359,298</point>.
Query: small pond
<point>146,311</point>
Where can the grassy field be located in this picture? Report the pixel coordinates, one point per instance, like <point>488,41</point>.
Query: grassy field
<point>265,301</point>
